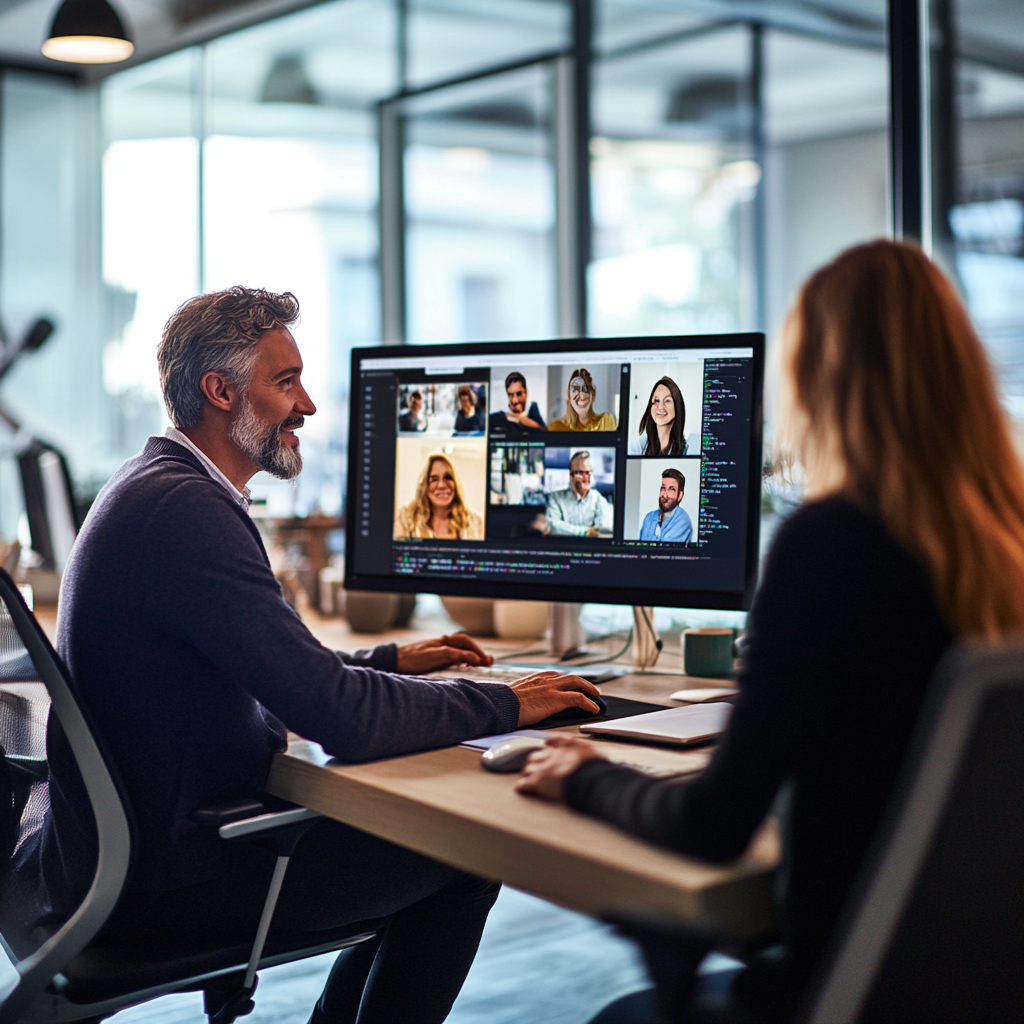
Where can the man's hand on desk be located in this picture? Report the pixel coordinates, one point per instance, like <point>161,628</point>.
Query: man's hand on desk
<point>431,655</point>
<point>548,768</point>
<point>547,693</point>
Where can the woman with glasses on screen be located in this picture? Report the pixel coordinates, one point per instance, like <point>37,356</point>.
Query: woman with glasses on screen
<point>439,511</point>
<point>911,536</point>
<point>579,406</point>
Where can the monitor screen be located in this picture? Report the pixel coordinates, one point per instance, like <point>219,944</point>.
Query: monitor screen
<point>617,470</point>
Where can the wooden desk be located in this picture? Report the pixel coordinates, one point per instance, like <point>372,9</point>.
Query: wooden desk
<point>442,804</point>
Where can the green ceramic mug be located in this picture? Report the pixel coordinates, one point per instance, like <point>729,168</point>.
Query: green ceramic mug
<point>708,651</point>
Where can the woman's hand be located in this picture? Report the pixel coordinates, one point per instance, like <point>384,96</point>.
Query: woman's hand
<point>548,768</point>
<point>445,651</point>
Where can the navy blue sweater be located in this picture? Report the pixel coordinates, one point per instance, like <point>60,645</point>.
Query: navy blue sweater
<point>176,633</point>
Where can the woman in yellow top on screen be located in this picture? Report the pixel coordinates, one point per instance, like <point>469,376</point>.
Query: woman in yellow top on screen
<point>579,406</point>
<point>438,512</point>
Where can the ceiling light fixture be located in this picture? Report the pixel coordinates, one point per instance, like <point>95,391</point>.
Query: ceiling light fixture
<point>87,32</point>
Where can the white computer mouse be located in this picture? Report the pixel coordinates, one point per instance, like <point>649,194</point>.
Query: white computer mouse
<point>510,755</point>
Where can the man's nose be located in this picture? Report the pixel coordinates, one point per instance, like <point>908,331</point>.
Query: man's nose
<point>303,403</point>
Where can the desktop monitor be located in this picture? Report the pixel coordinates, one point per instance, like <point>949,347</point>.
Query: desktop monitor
<point>615,470</point>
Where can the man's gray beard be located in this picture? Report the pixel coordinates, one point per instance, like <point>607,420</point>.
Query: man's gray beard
<point>263,444</point>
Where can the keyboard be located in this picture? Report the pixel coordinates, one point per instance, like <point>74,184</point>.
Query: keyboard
<point>510,673</point>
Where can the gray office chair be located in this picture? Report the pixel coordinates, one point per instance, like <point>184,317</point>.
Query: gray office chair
<point>70,975</point>
<point>934,932</point>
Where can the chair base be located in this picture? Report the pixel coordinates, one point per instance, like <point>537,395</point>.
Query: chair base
<point>104,979</point>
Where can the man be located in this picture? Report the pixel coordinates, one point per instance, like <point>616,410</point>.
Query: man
<point>578,510</point>
<point>517,421</point>
<point>668,523</point>
<point>191,663</point>
<point>412,419</point>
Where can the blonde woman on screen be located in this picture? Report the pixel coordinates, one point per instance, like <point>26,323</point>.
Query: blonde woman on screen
<point>438,512</point>
<point>911,538</point>
<point>579,406</point>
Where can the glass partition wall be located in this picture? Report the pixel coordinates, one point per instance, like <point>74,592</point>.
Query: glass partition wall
<point>435,170</point>
<point>977,171</point>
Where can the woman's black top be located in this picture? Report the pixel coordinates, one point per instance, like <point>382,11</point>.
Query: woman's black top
<point>844,635</point>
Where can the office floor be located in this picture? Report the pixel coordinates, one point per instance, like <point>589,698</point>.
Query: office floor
<point>537,962</point>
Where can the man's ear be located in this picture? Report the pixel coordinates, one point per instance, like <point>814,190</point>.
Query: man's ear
<point>219,390</point>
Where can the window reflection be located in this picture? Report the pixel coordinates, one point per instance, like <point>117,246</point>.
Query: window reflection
<point>978,166</point>
<point>480,210</point>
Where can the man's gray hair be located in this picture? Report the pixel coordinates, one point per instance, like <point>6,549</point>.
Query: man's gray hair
<point>218,332</point>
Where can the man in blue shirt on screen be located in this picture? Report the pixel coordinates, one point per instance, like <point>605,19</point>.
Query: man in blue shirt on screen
<point>668,523</point>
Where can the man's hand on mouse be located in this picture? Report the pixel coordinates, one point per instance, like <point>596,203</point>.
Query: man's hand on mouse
<point>445,651</point>
<point>545,693</point>
<point>547,769</point>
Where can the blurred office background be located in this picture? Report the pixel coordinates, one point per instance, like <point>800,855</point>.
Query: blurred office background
<point>447,170</point>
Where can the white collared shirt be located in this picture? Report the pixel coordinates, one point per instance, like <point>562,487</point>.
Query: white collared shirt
<point>243,497</point>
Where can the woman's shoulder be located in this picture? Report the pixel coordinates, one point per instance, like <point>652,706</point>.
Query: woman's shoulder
<point>560,424</point>
<point>832,522</point>
<point>403,522</point>
<point>638,445</point>
<point>838,537</point>
<point>606,421</point>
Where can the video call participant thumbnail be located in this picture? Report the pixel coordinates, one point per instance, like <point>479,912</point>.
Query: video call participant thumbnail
<point>516,419</point>
<point>413,420</point>
<point>662,428</point>
<point>579,510</point>
<point>439,510</point>
<point>579,406</point>
<point>669,523</point>
<point>470,417</point>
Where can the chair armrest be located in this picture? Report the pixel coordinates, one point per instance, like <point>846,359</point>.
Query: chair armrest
<point>34,767</point>
<point>221,814</point>
<point>266,822</point>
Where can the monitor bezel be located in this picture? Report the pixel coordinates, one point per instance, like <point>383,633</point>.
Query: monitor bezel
<point>672,598</point>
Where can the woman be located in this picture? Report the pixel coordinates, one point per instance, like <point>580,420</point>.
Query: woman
<point>579,406</point>
<point>912,536</point>
<point>438,511</point>
<point>663,424</point>
<point>469,419</point>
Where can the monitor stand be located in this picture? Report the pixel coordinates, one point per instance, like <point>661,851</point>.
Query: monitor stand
<point>567,636</point>
<point>565,631</point>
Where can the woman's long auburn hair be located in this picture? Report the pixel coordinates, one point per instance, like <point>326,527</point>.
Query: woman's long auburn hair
<point>887,396</point>
<point>458,515</point>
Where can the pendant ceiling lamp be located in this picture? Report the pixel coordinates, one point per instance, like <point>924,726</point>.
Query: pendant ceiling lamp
<point>87,32</point>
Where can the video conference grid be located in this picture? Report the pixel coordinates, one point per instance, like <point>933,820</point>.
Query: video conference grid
<point>514,475</point>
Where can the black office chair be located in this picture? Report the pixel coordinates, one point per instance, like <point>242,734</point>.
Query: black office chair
<point>934,932</point>
<point>70,975</point>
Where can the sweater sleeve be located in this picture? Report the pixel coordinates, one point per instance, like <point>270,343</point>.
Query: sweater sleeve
<point>218,594</point>
<point>795,627</point>
<point>383,656</point>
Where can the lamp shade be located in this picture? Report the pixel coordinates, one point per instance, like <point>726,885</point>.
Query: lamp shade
<point>87,32</point>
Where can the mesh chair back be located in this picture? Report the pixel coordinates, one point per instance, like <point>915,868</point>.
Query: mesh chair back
<point>33,684</point>
<point>938,935</point>
<point>24,705</point>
